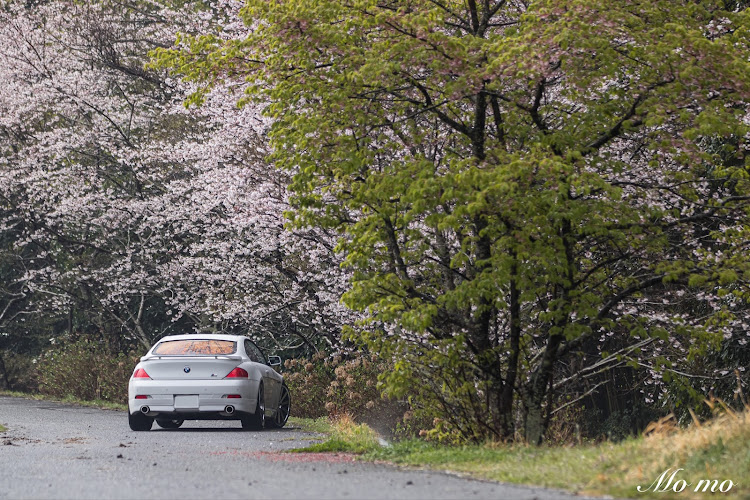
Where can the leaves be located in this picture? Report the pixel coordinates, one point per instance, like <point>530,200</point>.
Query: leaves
<point>512,187</point>
<point>510,179</point>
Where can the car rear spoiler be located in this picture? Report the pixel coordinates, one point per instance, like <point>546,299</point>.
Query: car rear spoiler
<point>202,356</point>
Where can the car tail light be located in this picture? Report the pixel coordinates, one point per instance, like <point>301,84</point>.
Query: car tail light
<point>140,373</point>
<point>233,396</point>
<point>141,396</point>
<point>238,373</point>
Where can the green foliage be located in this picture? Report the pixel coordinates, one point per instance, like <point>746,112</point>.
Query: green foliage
<point>85,369</point>
<point>449,403</point>
<point>505,181</point>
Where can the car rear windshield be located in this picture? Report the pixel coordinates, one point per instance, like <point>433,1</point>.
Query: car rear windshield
<point>197,347</point>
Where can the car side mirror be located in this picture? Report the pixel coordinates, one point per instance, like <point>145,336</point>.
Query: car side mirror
<point>274,360</point>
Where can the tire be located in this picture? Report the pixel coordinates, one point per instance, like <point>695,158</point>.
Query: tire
<point>257,420</point>
<point>140,422</point>
<point>168,423</point>
<point>284,408</point>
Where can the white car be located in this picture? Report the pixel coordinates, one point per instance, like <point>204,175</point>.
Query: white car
<point>207,377</point>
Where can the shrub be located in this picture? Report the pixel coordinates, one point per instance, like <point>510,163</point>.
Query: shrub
<point>87,370</point>
<point>340,387</point>
<point>308,382</point>
<point>354,392</point>
<point>450,401</point>
<point>19,372</point>
<point>565,426</point>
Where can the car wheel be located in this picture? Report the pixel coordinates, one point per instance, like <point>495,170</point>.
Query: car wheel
<point>257,420</point>
<point>168,423</point>
<point>140,422</point>
<point>282,412</point>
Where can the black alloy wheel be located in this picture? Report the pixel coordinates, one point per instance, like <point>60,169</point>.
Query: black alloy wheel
<point>166,423</point>
<point>285,405</point>
<point>257,420</point>
<point>140,422</point>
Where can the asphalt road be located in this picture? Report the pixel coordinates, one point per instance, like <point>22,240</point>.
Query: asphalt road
<point>53,450</point>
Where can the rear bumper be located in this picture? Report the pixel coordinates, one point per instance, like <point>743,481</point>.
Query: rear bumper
<point>209,397</point>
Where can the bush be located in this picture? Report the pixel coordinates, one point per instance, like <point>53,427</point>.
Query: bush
<point>85,369</point>
<point>19,372</point>
<point>340,387</point>
<point>565,426</point>
<point>308,381</point>
<point>449,397</point>
<point>353,391</point>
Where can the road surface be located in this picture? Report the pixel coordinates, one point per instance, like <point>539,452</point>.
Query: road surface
<point>55,450</point>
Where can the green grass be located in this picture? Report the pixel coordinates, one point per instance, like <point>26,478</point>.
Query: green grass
<point>3,428</point>
<point>97,403</point>
<point>717,450</point>
<point>345,436</point>
<point>321,425</point>
<point>575,468</point>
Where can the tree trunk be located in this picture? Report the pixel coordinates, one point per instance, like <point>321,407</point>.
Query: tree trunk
<point>534,419</point>
<point>534,423</point>
<point>6,379</point>
<point>506,398</point>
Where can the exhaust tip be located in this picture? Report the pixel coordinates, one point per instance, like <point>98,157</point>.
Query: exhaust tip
<point>229,409</point>
<point>145,409</point>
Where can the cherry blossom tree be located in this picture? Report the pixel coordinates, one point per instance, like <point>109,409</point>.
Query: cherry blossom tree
<point>133,216</point>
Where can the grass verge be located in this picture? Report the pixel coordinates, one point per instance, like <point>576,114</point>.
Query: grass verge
<point>344,435</point>
<point>321,425</point>
<point>718,450</point>
<point>97,403</point>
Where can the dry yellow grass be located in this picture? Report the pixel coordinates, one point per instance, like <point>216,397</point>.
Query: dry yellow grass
<point>715,450</point>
